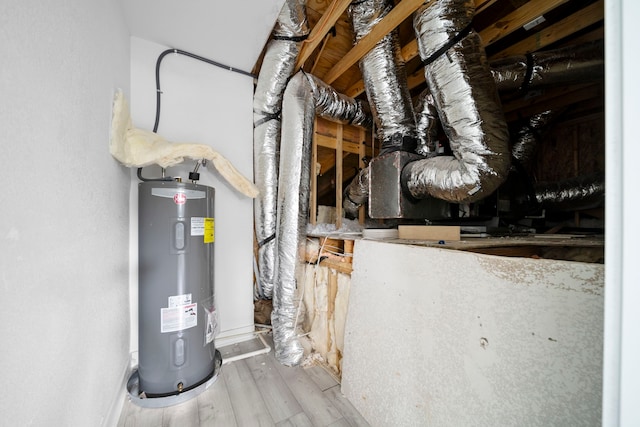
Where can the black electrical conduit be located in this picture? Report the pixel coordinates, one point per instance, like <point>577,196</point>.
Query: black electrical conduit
<point>159,92</point>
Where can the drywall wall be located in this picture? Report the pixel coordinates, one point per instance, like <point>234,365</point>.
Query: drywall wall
<point>234,32</point>
<point>64,206</point>
<point>210,105</point>
<point>448,338</point>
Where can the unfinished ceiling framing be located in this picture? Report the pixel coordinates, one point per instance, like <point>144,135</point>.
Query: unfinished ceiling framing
<point>573,147</point>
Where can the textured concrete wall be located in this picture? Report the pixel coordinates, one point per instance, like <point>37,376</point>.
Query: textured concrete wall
<point>447,338</point>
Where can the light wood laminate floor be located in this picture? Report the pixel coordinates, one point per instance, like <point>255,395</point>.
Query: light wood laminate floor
<point>256,391</point>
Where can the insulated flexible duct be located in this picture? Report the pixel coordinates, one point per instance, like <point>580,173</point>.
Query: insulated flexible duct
<point>384,77</point>
<point>582,192</point>
<point>277,66</point>
<point>304,97</point>
<point>426,124</point>
<point>569,64</point>
<point>465,96</point>
<point>527,137</point>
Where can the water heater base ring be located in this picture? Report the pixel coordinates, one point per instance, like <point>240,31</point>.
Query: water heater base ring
<point>162,402</point>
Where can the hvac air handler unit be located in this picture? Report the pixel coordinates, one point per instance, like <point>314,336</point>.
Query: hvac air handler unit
<point>177,319</point>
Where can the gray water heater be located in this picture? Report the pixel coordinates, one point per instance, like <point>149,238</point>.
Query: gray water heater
<point>177,318</point>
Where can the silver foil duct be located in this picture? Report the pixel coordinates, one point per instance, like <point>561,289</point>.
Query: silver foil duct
<point>356,194</point>
<point>467,102</point>
<point>526,139</point>
<point>426,124</point>
<point>277,66</point>
<point>570,64</point>
<point>385,79</point>
<point>304,97</point>
<point>581,192</point>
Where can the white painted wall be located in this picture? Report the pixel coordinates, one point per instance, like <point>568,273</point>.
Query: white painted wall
<point>203,104</point>
<point>64,207</point>
<point>622,293</point>
<point>449,338</point>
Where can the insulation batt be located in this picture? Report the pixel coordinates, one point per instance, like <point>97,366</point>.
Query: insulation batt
<point>135,147</point>
<point>304,97</point>
<point>277,67</point>
<point>468,106</point>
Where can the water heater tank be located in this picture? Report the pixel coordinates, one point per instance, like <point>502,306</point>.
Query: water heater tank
<point>176,315</point>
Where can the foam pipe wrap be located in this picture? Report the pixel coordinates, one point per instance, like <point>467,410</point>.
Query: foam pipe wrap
<point>304,97</point>
<point>277,67</point>
<point>384,77</point>
<point>565,65</point>
<point>467,102</point>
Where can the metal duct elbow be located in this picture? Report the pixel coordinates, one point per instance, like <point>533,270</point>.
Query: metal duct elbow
<point>570,64</point>
<point>467,102</point>
<point>277,67</point>
<point>383,73</point>
<point>304,97</point>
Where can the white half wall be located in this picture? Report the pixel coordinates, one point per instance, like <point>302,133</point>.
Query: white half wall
<point>64,206</point>
<point>437,337</point>
<point>202,103</point>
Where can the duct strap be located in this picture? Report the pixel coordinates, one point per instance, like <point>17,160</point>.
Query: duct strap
<point>399,142</point>
<point>438,53</point>
<point>266,118</point>
<point>528,73</point>
<point>267,240</point>
<point>292,38</point>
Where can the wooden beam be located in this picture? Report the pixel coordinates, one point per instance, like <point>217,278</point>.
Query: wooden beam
<point>553,99</point>
<point>330,142</point>
<point>516,19</point>
<point>339,178</point>
<point>398,14</point>
<point>328,20</point>
<point>581,19</point>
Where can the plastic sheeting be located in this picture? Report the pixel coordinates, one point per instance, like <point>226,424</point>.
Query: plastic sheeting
<point>304,97</point>
<point>277,67</point>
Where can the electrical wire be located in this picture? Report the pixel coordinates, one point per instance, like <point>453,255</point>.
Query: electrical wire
<point>159,92</point>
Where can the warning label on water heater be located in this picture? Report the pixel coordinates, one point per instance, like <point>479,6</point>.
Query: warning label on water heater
<point>178,318</point>
<point>203,227</point>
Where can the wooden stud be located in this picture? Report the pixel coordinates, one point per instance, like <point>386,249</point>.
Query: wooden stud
<point>339,177</point>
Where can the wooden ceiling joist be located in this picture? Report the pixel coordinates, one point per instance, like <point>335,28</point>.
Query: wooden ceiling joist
<point>578,21</point>
<point>398,14</point>
<point>321,29</point>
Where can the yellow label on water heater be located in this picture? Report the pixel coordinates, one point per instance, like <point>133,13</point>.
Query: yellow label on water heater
<point>209,230</point>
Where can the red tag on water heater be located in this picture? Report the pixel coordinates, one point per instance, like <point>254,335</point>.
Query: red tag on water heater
<point>180,198</point>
